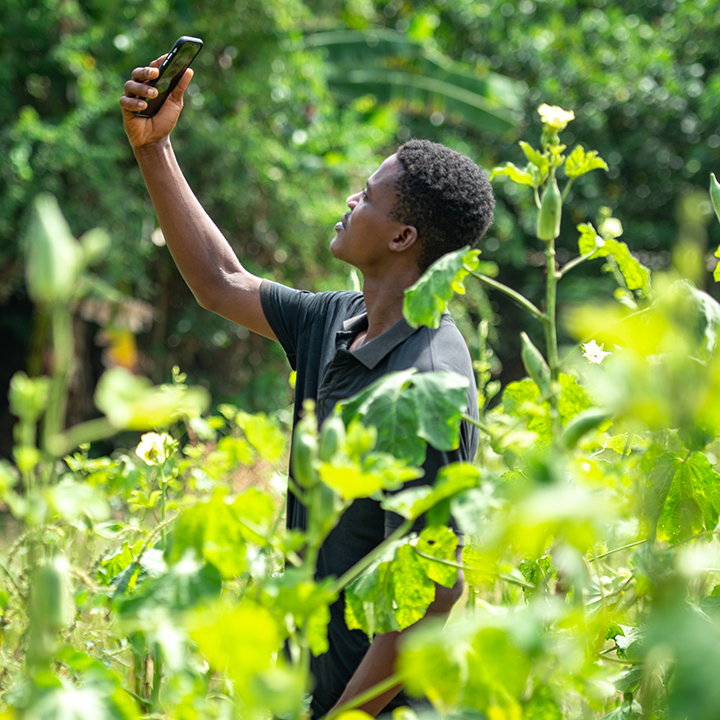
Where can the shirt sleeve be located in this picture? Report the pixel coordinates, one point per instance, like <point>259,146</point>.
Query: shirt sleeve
<point>285,310</point>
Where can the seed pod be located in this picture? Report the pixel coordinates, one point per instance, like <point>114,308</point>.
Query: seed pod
<point>54,257</point>
<point>535,364</point>
<point>548,219</point>
<point>332,437</point>
<point>324,512</point>
<point>304,453</point>
<point>715,194</point>
<point>582,423</point>
<point>50,602</point>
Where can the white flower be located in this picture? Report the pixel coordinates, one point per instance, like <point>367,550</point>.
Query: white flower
<point>155,449</point>
<point>555,117</point>
<point>594,352</point>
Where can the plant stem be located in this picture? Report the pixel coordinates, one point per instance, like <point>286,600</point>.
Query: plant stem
<point>476,423</point>
<point>551,331</point>
<point>157,679</point>
<point>514,294</point>
<point>344,580</point>
<point>62,360</point>
<point>617,550</point>
<point>575,262</point>
<point>163,507</point>
<point>363,697</point>
<point>90,431</point>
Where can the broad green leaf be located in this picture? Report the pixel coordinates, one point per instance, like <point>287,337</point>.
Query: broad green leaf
<point>213,530</point>
<point>693,500</point>
<point>480,566</point>
<point>378,471</point>
<point>409,408</point>
<point>439,542</point>
<point>131,402</point>
<point>71,500</point>
<point>580,162</point>
<point>114,564</point>
<point>242,641</point>
<point>292,594</point>
<point>433,664</point>
<point>440,399</point>
<point>256,511</point>
<point>520,399</point>
<point>187,583</point>
<point>386,407</point>
<point>636,275</point>
<point>451,480</point>
<point>98,698</point>
<point>264,435</point>
<point>427,299</point>
<point>521,177</point>
<point>413,591</point>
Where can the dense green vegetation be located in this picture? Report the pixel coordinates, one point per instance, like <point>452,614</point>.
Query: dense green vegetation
<point>143,577</point>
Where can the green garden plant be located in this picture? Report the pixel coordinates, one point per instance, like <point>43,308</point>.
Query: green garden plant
<point>160,582</point>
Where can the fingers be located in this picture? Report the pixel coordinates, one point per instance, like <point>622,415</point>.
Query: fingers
<point>156,63</point>
<point>132,104</point>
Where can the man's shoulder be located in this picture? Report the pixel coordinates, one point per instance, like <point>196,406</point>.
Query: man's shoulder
<point>437,349</point>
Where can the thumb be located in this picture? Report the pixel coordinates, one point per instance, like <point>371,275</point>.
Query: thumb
<point>182,86</point>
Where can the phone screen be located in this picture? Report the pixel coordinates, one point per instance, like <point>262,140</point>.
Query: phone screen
<point>178,64</point>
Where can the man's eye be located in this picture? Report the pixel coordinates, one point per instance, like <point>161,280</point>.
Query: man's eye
<point>364,194</point>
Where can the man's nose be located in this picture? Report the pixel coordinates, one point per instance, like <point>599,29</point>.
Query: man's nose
<point>352,201</point>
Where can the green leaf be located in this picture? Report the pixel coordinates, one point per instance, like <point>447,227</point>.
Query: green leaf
<point>480,567</point>
<point>693,500</point>
<point>377,471</point>
<point>636,275</point>
<point>112,565</point>
<point>451,480</point>
<point>439,542</point>
<point>71,500</point>
<point>413,591</point>
<point>433,664</point>
<point>187,583</point>
<point>243,641</point>
<point>427,299</point>
<point>537,159</point>
<point>264,435</point>
<point>256,512</point>
<point>213,530</point>
<point>409,408</point>
<point>131,402</point>
<point>521,177</point>
<point>580,162</point>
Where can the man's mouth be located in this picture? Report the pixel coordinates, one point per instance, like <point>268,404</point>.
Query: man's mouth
<point>343,222</point>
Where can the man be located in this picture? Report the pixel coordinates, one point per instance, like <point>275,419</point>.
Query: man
<point>422,202</point>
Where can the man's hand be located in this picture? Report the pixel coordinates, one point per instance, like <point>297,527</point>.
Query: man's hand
<point>147,131</point>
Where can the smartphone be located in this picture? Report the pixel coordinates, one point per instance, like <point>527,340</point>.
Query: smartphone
<point>177,61</point>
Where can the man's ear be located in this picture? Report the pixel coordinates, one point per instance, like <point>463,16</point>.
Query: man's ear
<point>405,239</point>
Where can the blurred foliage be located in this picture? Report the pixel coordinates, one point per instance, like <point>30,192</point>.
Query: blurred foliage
<point>272,154</point>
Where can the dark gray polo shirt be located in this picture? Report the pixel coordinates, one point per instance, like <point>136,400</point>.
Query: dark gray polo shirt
<point>316,330</point>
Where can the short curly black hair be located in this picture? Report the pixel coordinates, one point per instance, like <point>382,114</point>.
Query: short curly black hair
<point>444,195</point>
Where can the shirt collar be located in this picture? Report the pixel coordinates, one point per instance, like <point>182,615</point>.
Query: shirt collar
<point>370,354</point>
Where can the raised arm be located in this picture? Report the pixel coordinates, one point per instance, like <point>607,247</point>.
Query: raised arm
<point>204,257</point>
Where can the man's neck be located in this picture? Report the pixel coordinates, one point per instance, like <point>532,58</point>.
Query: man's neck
<point>384,303</point>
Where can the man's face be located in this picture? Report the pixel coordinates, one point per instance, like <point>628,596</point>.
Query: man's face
<point>365,233</point>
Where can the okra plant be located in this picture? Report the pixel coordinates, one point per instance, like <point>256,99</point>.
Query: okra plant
<point>157,582</point>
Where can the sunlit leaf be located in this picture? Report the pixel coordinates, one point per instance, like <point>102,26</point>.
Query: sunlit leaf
<point>438,542</point>
<point>427,299</point>
<point>214,532</point>
<point>636,275</point>
<point>580,162</point>
<point>131,402</point>
<point>409,408</point>
<point>522,177</point>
